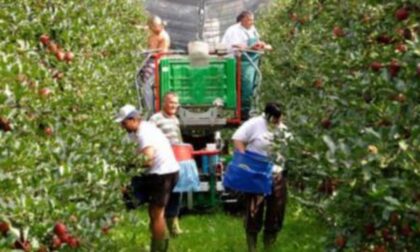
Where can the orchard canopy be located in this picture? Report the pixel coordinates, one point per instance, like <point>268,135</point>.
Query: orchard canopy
<point>346,72</point>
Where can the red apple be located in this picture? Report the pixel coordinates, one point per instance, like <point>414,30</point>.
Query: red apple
<point>293,16</point>
<point>384,39</point>
<point>73,242</point>
<point>44,92</point>
<point>376,66</point>
<point>318,84</point>
<point>384,122</point>
<point>407,34</point>
<point>60,55</point>
<point>369,229</point>
<point>416,197</point>
<point>379,248</point>
<point>400,98</point>
<point>366,18</point>
<point>56,242</point>
<point>328,186</point>
<point>386,234</point>
<point>406,230</point>
<point>406,133</point>
<point>59,228</point>
<point>52,47</point>
<point>45,39</point>
<point>394,218</point>
<point>64,238</point>
<point>402,14</point>
<point>400,32</point>
<point>124,189</point>
<point>49,132</point>
<point>303,20</point>
<point>33,84</point>
<point>105,229</point>
<point>340,241</point>
<point>394,67</point>
<point>4,228</point>
<point>69,56</point>
<point>326,123</point>
<point>401,48</point>
<point>338,31</point>
<point>5,124</point>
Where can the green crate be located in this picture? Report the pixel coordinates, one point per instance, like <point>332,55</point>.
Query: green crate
<point>199,86</point>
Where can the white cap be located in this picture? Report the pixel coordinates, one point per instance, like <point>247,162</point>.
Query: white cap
<point>125,112</point>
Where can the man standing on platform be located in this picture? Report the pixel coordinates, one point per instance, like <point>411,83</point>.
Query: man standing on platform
<point>243,36</point>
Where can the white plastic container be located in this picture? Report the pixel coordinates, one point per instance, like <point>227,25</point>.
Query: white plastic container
<point>198,52</point>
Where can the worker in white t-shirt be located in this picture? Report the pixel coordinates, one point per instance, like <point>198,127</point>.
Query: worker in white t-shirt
<point>257,135</point>
<point>244,36</point>
<point>161,174</point>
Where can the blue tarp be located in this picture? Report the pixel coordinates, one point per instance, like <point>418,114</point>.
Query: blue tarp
<point>250,173</point>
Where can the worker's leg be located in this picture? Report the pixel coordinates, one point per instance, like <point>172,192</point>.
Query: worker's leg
<point>172,213</point>
<point>249,82</point>
<point>276,206</point>
<point>253,220</point>
<point>159,198</point>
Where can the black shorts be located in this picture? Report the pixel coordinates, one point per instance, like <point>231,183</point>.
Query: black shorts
<point>154,188</point>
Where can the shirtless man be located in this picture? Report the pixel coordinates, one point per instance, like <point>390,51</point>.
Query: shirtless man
<point>158,41</point>
<point>158,38</point>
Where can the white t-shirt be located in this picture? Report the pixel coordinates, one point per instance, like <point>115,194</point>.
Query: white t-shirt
<point>237,35</point>
<point>148,135</point>
<point>258,138</point>
<point>255,134</point>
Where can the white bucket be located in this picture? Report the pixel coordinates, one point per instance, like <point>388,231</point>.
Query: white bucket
<point>198,52</point>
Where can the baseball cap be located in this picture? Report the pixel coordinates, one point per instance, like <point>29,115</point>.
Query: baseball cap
<point>125,112</point>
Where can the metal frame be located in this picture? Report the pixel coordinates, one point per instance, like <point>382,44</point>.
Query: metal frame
<point>212,111</point>
<point>137,81</point>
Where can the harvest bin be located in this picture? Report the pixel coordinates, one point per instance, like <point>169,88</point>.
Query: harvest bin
<point>199,86</point>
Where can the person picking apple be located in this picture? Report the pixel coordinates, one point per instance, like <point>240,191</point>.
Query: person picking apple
<point>162,171</point>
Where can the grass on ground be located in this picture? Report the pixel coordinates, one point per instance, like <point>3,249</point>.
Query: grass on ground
<point>219,232</point>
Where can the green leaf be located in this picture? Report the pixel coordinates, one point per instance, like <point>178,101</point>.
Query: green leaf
<point>392,201</point>
<point>403,145</point>
<point>372,132</point>
<point>330,143</point>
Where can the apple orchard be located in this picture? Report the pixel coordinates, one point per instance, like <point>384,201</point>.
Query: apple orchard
<point>347,73</point>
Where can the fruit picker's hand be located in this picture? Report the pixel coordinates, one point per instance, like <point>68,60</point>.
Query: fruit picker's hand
<point>267,47</point>
<point>239,146</point>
